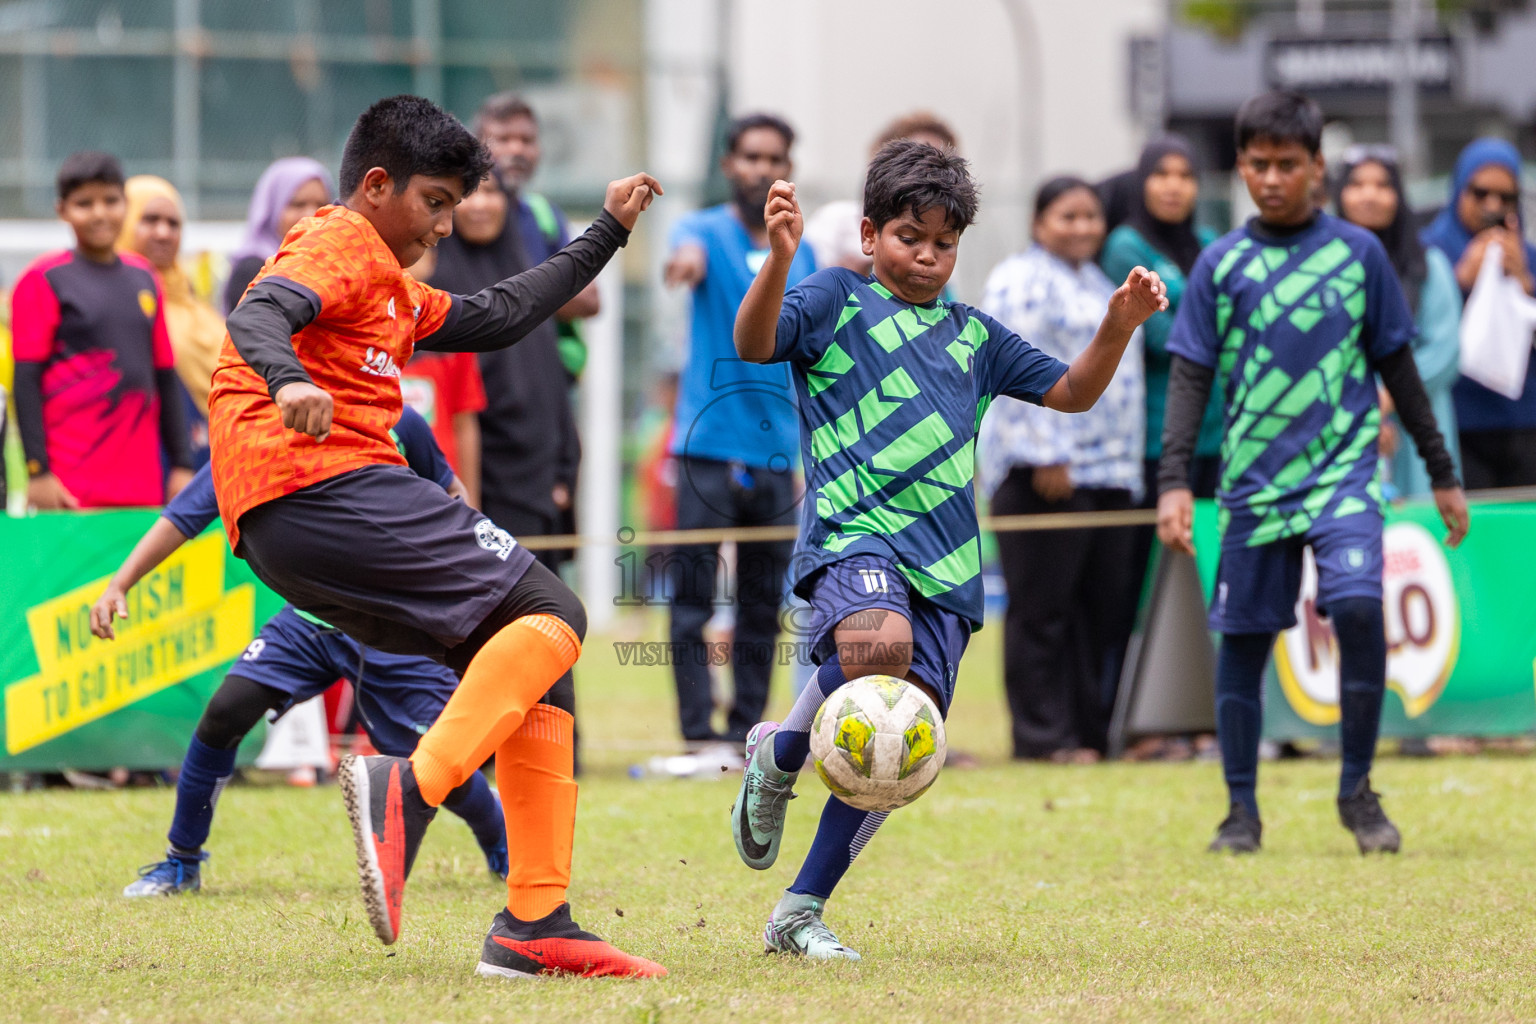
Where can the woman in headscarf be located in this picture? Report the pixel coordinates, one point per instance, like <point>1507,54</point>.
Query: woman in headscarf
<point>1369,192</point>
<point>152,228</point>
<point>1160,234</point>
<point>287,191</point>
<point>1498,435</point>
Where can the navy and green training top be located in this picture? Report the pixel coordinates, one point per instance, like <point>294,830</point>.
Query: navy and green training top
<point>1292,324</point>
<point>890,398</point>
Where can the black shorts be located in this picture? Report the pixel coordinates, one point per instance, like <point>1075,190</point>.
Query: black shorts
<point>385,556</point>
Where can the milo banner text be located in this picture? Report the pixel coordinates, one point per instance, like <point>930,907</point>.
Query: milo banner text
<point>73,701</point>
<point>1460,627</point>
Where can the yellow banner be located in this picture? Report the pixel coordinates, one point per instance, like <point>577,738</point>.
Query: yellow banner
<point>180,623</point>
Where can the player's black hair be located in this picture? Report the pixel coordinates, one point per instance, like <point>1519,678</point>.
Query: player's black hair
<point>87,166</point>
<point>502,106</point>
<point>907,175</point>
<point>409,135</point>
<point>747,122</point>
<point>1056,188</point>
<point>1281,116</point>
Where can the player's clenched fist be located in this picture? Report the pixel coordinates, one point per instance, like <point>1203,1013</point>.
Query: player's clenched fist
<point>1143,294</point>
<point>305,408</point>
<point>628,197</point>
<point>782,216</point>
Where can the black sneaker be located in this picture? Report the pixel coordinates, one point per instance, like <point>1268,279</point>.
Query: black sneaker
<point>1239,833</point>
<point>1361,813</point>
<point>389,817</point>
<point>555,944</point>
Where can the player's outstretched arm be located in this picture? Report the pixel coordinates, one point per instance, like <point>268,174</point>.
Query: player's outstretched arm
<point>154,547</point>
<point>757,321</point>
<point>505,313</point>
<point>1142,294</point>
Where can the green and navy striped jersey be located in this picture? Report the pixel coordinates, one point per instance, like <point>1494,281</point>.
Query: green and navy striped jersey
<point>890,399</point>
<point>1292,325</point>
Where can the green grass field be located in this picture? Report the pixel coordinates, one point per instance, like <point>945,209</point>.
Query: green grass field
<point>1007,893</point>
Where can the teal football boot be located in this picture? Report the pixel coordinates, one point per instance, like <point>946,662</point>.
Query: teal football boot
<point>757,816</point>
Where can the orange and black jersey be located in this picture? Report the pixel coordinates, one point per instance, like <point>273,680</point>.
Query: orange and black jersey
<point>334,308</point>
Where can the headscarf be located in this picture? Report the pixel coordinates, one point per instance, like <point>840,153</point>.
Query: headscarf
<point>274,189</point>
<point>1176,241</point>
<point>196,331</point>
<point>1399,239</point>
<point>1115,196</point>
<point>1446,232</point>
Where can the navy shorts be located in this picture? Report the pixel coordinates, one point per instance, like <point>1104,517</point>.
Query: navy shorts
<point>863,583</point>
<point>386,556</point>
<point>398,696</point>
<point>1257,587</point>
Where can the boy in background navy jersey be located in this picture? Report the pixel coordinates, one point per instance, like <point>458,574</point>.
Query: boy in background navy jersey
<point>1297,313</point>
<point>96,394</point>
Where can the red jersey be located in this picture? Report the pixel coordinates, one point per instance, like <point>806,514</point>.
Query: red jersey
<point>371,313</point>
<point>99,331</point>
<point>440,386</point>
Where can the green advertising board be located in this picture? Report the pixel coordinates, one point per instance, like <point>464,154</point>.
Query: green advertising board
<point>74,701</point>
<point>1460,627</point>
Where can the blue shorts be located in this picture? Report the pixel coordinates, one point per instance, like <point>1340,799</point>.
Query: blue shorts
<point>1257,587</point>
<point>398,696</point>
<point>863,583</point>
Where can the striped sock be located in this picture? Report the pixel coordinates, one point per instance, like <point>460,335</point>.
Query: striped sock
<point>842,835</point>
<point>792,743</point>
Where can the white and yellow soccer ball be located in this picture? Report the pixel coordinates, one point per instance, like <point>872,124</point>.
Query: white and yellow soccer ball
<point>878,743</point>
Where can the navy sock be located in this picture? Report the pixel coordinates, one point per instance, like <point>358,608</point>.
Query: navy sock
<point>792,743</point>
<point>843,832</point>
<point>204,771</point>
<point>1357,622</point>
<point>473,801</point>
<point>1240,712</point>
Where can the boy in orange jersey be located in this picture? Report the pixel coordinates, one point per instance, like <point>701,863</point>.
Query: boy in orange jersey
<point>316,498</point>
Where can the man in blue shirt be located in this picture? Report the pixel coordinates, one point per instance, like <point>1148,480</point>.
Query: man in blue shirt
<point>734,438</point>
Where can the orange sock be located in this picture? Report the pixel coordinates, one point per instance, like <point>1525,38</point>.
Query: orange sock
<point>507,676</point>
<point>534,774</point>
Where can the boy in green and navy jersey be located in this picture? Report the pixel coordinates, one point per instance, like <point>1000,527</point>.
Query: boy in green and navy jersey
<point>1295,314</point>
<point>892,384</point>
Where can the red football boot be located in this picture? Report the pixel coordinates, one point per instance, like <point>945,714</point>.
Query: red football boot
<point>389,818</point>
<point>555,944</point>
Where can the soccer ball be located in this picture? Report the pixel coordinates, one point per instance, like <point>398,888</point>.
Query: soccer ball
<point>878,743</point>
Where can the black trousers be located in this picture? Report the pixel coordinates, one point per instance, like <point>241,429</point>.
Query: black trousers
<point>1498,458</point>
<point>1071,605</point>
<point>712,494</point>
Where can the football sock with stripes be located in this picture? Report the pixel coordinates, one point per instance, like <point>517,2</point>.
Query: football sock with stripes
<point>476,804</point>
<point>1240,712</point>
<point>1358,623</point>
<point>204,772</point>
<point>506,678</point>
<point>792,742</point>
<point>842,834</point>
<point>535,769</point>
